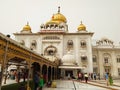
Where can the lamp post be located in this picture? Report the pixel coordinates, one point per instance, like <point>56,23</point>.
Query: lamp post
<point>4,63</point>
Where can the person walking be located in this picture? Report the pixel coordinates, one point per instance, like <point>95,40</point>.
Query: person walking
<point>86,77</point>
<point>36,80</point>
<point>41,83</point>
<point>106,78</point>
<point>110,79</point>
<point>94,76</point>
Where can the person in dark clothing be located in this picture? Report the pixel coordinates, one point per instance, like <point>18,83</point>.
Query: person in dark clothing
<point>86,77</point>
<point>36,80</point>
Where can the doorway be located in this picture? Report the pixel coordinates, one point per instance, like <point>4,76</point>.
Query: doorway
<point>68,72</point>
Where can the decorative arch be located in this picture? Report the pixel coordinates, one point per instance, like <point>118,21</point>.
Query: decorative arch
<point>50,50</point>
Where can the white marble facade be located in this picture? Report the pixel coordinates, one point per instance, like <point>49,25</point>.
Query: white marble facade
<point>54,41</point>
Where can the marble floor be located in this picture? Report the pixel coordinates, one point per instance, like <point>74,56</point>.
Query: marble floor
<point>73,85</point>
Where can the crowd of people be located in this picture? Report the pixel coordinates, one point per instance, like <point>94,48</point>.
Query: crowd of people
<point>94,76</point>
<point>86,76</point>
<point>17,75</point>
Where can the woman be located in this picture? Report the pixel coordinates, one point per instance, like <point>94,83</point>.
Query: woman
<point>41,83</point>
<point>110,80</point>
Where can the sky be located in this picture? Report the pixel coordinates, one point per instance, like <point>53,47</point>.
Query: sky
<point>99,16</point>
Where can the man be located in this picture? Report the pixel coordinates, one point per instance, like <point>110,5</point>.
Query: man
<point>36,80</point>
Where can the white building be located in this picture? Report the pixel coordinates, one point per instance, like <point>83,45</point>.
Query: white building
<point>75,50</point>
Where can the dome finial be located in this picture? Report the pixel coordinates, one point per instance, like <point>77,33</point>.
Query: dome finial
<point>27,23</point>
<point>81,21</point>
<point>59,9</point>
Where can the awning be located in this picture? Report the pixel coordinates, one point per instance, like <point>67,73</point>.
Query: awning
<point>71,67</point>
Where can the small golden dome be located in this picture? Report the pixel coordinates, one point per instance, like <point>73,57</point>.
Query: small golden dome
<point>81,27</point>
<point>57,18</point>
<point>27,27</point>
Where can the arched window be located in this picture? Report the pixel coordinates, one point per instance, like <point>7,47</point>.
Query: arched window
<point>107,58</point>
<point>70,44</point>
<point>83,44</point>
<point>33,44</point>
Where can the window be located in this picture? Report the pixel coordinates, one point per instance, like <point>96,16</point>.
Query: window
<point>106,60</point>
<point>119,71</point>
<point>94,59</point>
<point>33,44</point>
<point>50,52</point>
<point>51,38</point>
<point>83,44</point>
<point>118,59</point>
<point>70,44</point>
<point>83,58</point>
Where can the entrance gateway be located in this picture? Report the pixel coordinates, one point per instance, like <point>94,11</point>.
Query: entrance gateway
<point>71,71</point>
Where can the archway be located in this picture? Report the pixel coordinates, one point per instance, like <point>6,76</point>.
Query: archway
<point>53,73</point>
<point>49,73</point>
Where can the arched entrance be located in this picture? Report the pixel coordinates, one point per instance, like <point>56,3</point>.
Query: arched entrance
<point>49,73</point>
<point>53,71</point>
<point>36,67</point>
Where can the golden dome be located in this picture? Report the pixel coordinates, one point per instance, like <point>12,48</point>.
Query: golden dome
<point>81,27</point>
<point>57,18</point>
<point>27,27</point>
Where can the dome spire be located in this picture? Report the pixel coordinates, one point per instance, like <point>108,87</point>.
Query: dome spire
<point>81,22</point>
<point>27,23</point>
<point>59,9</point>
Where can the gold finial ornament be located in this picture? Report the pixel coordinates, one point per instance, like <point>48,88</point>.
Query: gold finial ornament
<point>81,27</point>
<point>59,9</point>
<point>26,27</point>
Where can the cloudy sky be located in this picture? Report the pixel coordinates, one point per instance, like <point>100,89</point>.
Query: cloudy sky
<point>99,16</point>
